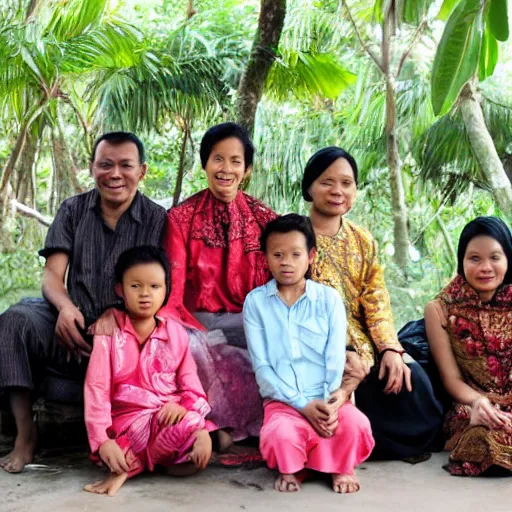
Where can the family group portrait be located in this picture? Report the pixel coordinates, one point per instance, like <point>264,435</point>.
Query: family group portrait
<point>255,254</point>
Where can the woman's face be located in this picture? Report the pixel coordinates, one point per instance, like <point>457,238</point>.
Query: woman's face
<point>485,265</point>
<point>225,168</point>
<point>334,191</point>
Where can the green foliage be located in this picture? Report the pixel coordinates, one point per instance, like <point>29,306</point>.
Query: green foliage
<point>457,55</point>
<point>498,19</point>
<point>489,54</point>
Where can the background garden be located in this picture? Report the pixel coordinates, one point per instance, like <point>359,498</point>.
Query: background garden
<point>418,90</point>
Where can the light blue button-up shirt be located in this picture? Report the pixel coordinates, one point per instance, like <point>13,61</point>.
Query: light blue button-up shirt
<point>297,352</point>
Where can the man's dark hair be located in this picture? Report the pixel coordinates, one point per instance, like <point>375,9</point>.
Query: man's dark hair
<point>223,131</point>
<point>141,255</point>
<point>119,138</point>
<point>493,228</point>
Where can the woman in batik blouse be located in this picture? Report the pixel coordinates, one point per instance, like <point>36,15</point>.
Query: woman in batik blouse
<point>469,329</point>
<point>396,395</point>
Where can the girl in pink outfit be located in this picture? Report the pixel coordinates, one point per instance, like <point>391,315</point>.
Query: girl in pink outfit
<point>144,403</point>
<point>296,335</point>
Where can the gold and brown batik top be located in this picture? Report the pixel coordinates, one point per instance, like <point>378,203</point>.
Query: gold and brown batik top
<point>349,263</point>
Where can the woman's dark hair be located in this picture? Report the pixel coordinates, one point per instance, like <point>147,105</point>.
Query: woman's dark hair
<point>286,224</point>
<point>319,162</point>
<point>119,138</point>
<point>223,131</point>
<point>493,228</point>
<point>141,255</point>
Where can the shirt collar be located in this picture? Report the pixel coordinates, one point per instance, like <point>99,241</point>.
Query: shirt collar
<point>135,207</point>
<point>125,324</point>
<point>310,292</point>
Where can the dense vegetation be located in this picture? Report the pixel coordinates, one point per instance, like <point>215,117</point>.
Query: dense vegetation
<point>427,117</point>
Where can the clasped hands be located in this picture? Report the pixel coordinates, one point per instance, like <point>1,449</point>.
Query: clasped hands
<point>483,412</point>
<point>323,415</point>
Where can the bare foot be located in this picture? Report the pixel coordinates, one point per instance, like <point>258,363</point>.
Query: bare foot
<point>287,483</point>
<point>22,454</point>
<point>201,452</point>
<point>110,486</point>
<point>345,484</point>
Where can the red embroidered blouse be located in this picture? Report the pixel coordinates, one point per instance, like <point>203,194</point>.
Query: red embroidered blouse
<point>214,251</point>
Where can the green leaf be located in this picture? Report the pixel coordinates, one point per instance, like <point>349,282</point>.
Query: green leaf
<point>413,11</point>
<point>498,19</point>
<point>306,75</point>
<point>378,11</point>
<point>457,55</point>
<point>489,54</point>
<point>446,9</point>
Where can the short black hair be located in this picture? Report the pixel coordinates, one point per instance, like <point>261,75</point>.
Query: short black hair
<point>223,131</point>
<point>286,224</point>
<point>492,227</point>
<point>319,162</point>
<point>119,138</point>
<point>140,255</point>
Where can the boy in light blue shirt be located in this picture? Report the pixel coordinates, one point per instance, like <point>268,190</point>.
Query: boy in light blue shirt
<point>296,335</point>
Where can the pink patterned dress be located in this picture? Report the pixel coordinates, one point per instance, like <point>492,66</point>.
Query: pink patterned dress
<point>128,383</point>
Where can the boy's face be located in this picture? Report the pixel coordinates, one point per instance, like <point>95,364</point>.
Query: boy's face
<point>144,289</point>
<point>288,257</point>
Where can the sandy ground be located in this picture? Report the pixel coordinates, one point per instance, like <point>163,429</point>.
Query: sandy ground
<point>55,486</point>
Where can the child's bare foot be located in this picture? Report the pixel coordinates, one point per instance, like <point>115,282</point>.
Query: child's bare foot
<point>110,486</point>
<point>345,484</point>
<point>201,452</point>
<point>23,452</point>
<point>287,483</point>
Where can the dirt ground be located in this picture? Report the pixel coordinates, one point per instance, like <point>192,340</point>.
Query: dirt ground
<point>55,484</point>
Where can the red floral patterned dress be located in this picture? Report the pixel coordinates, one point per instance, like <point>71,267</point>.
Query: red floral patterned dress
<point>481,338</point>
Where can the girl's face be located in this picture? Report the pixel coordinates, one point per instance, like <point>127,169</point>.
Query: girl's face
<point>143,289</point>
<point>334,191</point>
<point>225,169</point>
<point>485,266</point>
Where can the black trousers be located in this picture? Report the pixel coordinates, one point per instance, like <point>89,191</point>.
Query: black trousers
<point>404,425</point>
<point>29,350</point>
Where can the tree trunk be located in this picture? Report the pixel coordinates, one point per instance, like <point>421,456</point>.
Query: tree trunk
<point>263,53</point>
<point>484,149</point>
<point>398,206</point>
<point>5,188</point>
<point>181,168</point>
<point>24,169</point>
<point>32,9</point>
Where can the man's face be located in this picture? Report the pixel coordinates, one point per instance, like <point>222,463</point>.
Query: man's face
<point>117,171</point>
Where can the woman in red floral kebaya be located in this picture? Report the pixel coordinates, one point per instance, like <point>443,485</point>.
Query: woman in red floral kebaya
<point>469,328</point>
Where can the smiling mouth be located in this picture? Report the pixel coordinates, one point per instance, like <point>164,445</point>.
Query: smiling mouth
<point>223,180</point>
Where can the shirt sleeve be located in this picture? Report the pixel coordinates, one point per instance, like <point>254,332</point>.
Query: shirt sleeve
<point>270,384</point>
<point>97,393</point>
<point>190,389</point>
<point>335,351</point>
<point>176,250</point>
<point>60,234</point>
<point>377,305</point>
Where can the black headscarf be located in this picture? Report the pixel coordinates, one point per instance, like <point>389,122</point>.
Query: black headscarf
<point>319,162</point>
<point>493,228</point>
